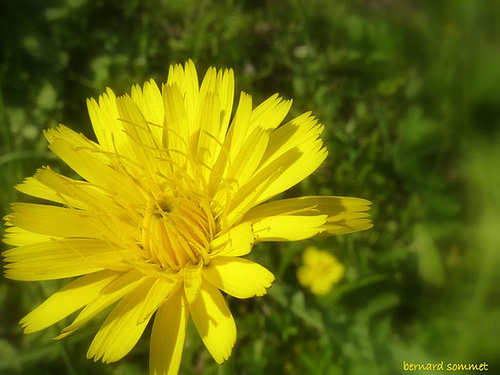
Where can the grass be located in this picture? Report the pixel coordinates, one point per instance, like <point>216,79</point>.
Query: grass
<point>408,95</point>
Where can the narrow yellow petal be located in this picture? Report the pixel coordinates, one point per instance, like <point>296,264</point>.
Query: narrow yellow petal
<point>89,195</point>
<point>150,103</point>
<point>206,90</point>
<point>167,336</point>
<point>70,190</point>
<point>35,188</point>
<point>288,227</point>
<point>88,162</point>
<point>214,322</point>
<point>236,172</point>
<point>67,300</point>
<point>297,133</point>
<point>121,229</point>
<point>60,259</point>
<point>107,126</point>
<point>249,157</point>
<point>240,126</point>
<point>289,154</point>
<point>177,128</point>
<point>187,81</point>
<point>238,277</point>
<point>109,295</point>
<point>121,330</point>
<point>145,145</point>
<point>156,295</point>
<point>241,137</point>
<point>344,214</point>
<point>208,143</point>
<point>225,88</point>
<point>54,221</point>
<point>296,164</point>
<point>308,205</point>
<point>253,192</point>
<point>237,241</point>
<point>16,236</point>
<point>192,281</point>
<point>270,113</point>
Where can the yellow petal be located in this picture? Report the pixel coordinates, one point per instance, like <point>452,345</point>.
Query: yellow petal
<point>233,168</point>
<point>63,258</point>
<point>122,231</point>
<point>238,277</point>
<point>288,227</point>
<point>67,300</point>
<point>239,128</point>
<point>121,330</point>
<point>270,113</point>
<point>214,322</point>
<point>167,337</point>
<point>16,236</point>
<point>212,117</point>
<point>237,241</point>
<point>150,103</point>
<point>54,221</point>
<point>35,188</point>
<point>100,206</point>
<point>295,151</point>
<point>246,143</point>
<point>178,133</point>
<point>297,133</point>
<point>344,214</point>
<point>109,295</point>
<point>348,222</point>
<point>250,194</point>
<point>192,281</point>
<point>108,127</point>
<point>145,144</point>
<point>187,81</point>
<point>85,194</point>
<point>87,160</point>
<point>225,88</point>
<point>206,90</point>
<point>296,164</point>
<point>249,157</point>
<point>208,144</point>
<point>309,205</point>
<point>156,295</point>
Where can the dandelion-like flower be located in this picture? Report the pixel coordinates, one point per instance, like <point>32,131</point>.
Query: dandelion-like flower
<point>171,197</point>
<point>320,270</point>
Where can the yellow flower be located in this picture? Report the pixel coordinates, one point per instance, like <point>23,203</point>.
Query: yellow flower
<point>171,197</point>
<point>320,270</point>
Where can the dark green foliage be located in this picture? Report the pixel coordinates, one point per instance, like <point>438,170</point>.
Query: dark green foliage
<point>408,92</point>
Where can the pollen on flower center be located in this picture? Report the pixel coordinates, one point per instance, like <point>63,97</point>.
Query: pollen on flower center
<point>177,231</point>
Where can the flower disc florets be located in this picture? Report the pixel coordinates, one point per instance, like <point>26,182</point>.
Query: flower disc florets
<point>177,230</point>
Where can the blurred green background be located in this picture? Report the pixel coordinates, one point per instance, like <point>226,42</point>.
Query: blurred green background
<point>409,93</point>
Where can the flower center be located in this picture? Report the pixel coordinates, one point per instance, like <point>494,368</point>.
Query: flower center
<point>177,231</point>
